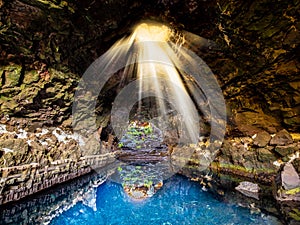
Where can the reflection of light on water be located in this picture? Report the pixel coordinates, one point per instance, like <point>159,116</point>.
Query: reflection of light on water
<point>141,181</point>
<point>178,202</point>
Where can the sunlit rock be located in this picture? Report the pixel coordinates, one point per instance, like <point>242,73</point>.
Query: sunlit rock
<point>282,138</point>
<point>289,177</point>
<point>249,189</point>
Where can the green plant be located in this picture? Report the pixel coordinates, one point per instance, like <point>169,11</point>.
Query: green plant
<point>148,184</point>
<point>293,191</point>
<point>148,130</point>
<point>295,214</point>
<point>120,145</point>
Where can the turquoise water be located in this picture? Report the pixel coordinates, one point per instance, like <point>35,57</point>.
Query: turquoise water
<point>179,201</point>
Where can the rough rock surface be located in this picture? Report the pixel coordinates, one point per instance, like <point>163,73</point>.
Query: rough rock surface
<point>24,212</point>
<point>33,161</point>
<point>289,177</point>
<point>261,88</point>
<point>47,45</point>
<point>282,138</point>
<point>261,139</point>
<point>249,189</point>
<point>288,192</point>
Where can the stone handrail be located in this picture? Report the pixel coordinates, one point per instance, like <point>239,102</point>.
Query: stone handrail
<point>19,181</point>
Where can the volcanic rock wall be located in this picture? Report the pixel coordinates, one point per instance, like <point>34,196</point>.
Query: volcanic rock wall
<point>46,45</point>
<point>255,61</point>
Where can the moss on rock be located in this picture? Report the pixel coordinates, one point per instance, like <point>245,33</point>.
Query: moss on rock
<point>11,75</point>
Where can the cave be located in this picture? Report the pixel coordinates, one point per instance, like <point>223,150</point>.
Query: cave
<point>48,108</point>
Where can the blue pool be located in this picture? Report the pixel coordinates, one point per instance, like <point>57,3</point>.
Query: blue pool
<point>179,201</point>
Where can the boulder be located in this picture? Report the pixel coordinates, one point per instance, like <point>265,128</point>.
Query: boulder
<point>250,159</point>
<point>282,138</point>
<point>265,155</point>
<point>249,189</point>
<point>251,123</point>
<point>286,150</point>
<point>261,139</point>
<point>289,177</point>
<point>296,164</point>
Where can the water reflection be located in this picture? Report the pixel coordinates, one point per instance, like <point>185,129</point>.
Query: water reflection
<point>93,199</point>
<point>42,208</point>
<point>179,201</point>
